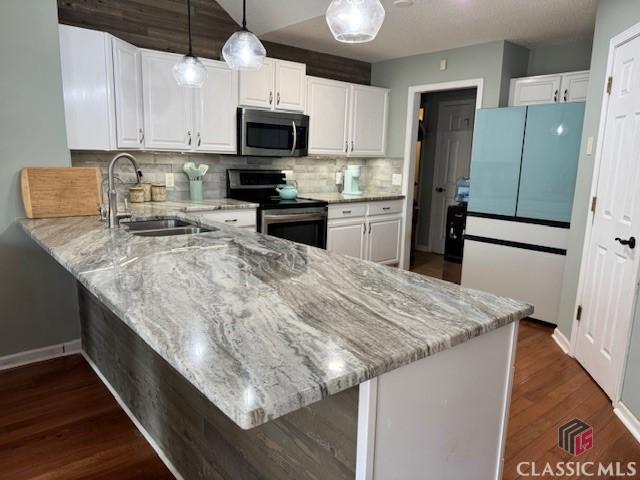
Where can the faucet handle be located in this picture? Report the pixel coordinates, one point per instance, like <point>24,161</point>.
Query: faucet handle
<point>102,212</point>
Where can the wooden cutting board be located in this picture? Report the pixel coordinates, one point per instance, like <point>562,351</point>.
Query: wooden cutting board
<point>61,191</point>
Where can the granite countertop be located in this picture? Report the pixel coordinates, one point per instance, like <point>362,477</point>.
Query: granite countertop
<point>260,325</point>
<point>336,197</point>
<point>206,205</point>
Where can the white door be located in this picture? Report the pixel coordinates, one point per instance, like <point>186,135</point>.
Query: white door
<point>347,237</point>
<point>368,121</point>
<point>257,87</point>
<point>328,109</point>
<point>127,75</point>
<point>383,244</point>
<point>574,87</point>
<point>168,107</point>
<point>215,109</point>
<point>291,86</point>
<point>454,137</point>
<point>611,271</point>
<point>535,90</point>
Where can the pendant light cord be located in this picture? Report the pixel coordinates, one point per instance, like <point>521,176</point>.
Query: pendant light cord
<point>244,14</point>
<point>189,20</point>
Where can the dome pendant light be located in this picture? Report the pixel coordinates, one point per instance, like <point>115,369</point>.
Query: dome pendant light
<point>189,71</point>
<point>355,21</point>
<point>243,50</point>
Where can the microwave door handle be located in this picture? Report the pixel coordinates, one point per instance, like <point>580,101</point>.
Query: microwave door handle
<point>295,137</point>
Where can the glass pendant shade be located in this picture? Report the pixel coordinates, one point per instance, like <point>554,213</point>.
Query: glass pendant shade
<point>190,72</point>
<point>355,21</point>
<point>244,51</point>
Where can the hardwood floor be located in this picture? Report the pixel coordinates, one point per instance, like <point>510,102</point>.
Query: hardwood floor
<point>58,421</point>
<point>433,265</point>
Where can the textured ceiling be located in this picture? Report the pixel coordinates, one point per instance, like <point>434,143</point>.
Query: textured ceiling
<point>427,26</point>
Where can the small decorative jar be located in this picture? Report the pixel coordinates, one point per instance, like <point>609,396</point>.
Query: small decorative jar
<point>136,194</point>
<point>158,192</point>
<point>147,191</point>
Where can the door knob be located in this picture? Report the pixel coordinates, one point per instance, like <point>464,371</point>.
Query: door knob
<point>631,242</point>
<point>440,189</point>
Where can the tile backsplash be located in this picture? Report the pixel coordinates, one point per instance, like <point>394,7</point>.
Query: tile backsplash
<point>313,174</point>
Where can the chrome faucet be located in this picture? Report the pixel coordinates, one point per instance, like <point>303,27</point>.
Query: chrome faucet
<point>113,217</point>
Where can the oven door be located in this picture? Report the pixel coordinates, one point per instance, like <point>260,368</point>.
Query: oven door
<point>272,134</point>
<point>308,227</point>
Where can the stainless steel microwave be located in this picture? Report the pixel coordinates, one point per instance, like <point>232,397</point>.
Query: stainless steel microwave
<point>263,133</point>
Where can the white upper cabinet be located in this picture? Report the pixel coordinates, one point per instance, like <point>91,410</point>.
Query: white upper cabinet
<point>328,109</point>
<point>278,85</point>
<point>346,119</point>
<point>369,107</point>
<point>87,84</point>
<point>168,107</point>
<point>127,77</point>
<point>560,88</point>
<point>215,109</point>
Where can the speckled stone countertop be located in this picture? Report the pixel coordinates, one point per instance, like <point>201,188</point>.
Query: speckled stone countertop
<point>206,205</point>
<point>260,325</point>
<point>335,197</point>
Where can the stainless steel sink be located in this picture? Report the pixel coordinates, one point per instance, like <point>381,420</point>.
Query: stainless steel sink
<point>164,227</point>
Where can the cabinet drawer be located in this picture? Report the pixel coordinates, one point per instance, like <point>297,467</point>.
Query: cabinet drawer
<point>347,210</point>
<point>383,208</point>
<point>237,218</point>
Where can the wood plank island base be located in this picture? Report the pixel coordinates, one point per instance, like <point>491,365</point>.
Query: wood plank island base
<point>245,356</point>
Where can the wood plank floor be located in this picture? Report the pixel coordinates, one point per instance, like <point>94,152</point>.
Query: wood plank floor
<point>57,420</point>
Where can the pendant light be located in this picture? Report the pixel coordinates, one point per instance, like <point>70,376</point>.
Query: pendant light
<point>189,71</point>
<point>355,21</point>
<point>243,50</point>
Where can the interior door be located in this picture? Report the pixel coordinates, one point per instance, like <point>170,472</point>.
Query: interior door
<point>368,121</point>
<point>215,109</point>
<point>128,95</point>
<point>257,86</point>
<point>291,86</point>
<point>328,109</point>
<point>168,107</point>
<point>452,160</point>
<point>611,272</point>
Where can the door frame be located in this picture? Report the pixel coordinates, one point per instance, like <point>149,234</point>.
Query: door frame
<point>614,43</point>
<point>409,164</point>
<point>445,103</point>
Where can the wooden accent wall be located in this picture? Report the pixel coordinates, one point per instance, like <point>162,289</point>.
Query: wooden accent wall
<point>162,25</point>
<point>317,442</point>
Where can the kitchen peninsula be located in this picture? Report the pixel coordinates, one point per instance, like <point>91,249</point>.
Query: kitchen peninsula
<point>245,356</point>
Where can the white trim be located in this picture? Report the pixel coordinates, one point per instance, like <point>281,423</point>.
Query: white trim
<point>367,416</point>
<point>40,354</point>
<point>628,419</point>
<point>409,165</point>
<point>141,429</point>
<point>562,341</point>
<point>506,405</point>
<point>620,39</point>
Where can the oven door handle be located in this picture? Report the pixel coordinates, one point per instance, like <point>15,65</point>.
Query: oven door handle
<point>295,137</point>
<point>302,217</point>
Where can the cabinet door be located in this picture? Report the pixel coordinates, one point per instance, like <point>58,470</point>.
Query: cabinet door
<point>328,109</point>
<point>368,121</point>
<point>291,86</point>
<point>550,161</point>
<point>495,160</point>
<point>535,90</point>
<point>347,237</point>
<point>167,106</point>
<point>257,87</point>
<point>127,77</point>
<point>574,87</point>
<point>215,109</point>
<point>383,244</point>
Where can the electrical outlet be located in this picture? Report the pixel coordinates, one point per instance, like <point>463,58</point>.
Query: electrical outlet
<point>338,178</point>
<point>590,146</point>
<point>443,64</point>
<point>169,180</point>
<point>396,179</point>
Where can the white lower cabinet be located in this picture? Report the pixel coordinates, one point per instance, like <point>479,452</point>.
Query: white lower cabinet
<point>366,231</point>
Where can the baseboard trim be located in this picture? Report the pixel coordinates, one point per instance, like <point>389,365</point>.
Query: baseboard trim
<point>628,419</point>
<point>423,248</point>
<point>40,354</point>
<point>561,340</point>
<point>135,421</point>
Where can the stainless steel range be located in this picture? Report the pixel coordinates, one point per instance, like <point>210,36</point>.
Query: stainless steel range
<point>301,220</point>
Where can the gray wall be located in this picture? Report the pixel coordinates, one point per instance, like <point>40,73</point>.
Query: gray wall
<point>514,64</point>
<point>565,57</point>
<point>37,296</point>
<point>477,61</point>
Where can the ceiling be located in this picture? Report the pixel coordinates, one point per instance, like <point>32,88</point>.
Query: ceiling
<point>427,26</point>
